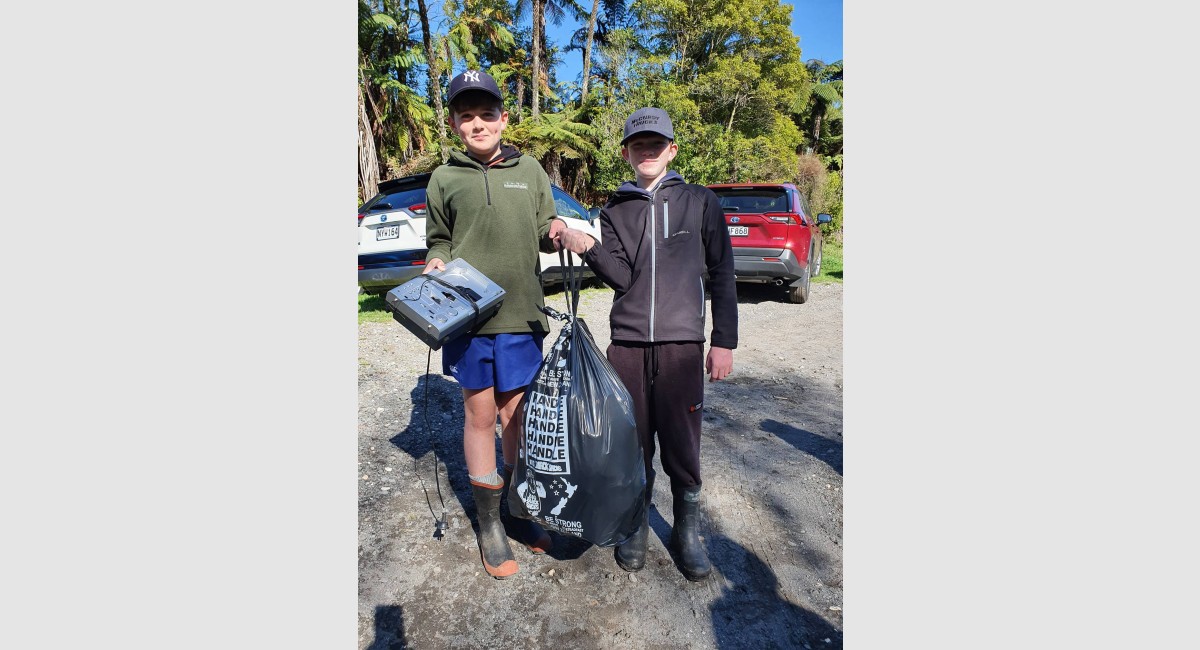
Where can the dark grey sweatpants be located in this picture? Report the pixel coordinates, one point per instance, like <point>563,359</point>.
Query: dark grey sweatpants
<point>666,381</point>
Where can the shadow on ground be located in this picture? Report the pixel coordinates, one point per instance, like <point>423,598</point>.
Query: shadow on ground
<point>819,447</point>
<point>445,417</point>
<point>389,628</point>
<point>436,424</point>
<point>752,613</point>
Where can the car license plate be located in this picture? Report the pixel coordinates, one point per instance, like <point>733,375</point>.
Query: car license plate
<point>387,232</point>
<point>739,231</point>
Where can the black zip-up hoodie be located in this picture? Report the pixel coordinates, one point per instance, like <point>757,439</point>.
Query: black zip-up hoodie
<point>656,246</point>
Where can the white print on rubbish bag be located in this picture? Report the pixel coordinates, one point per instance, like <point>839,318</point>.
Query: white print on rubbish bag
<point>559,487</point>
<point>546,434</point>
<point>545,449</point>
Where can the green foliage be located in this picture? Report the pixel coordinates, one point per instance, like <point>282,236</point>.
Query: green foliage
<point>553,132</point>
<point>823,189</point>
<point>832,204</point>
<point>401,119</point>
<point>704,152</point>
<point>773,154</point>
<point>479,26</point>
<point>730,73</point>
<point>371,309</point>
<point>818,107</point>
<point>831,262</point>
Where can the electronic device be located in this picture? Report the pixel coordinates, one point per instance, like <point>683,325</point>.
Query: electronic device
<point>445,304</point>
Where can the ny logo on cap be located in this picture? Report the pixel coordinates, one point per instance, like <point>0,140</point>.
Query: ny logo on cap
<point>471,75</point>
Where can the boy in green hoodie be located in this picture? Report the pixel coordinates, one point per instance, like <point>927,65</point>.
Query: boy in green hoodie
<point>493,207</point>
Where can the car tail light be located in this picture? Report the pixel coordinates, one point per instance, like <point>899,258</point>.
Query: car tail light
<point>360,218</point>
<point>418,208</point>
<point>419,263</point>
<point>781,217</point>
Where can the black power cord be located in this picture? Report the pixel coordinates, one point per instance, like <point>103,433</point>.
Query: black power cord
<point>439,522</point>
<point>440,525</point>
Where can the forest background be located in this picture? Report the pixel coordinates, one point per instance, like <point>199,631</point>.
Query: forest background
<point>745,104</point>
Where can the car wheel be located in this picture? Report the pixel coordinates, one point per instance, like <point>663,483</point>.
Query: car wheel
<point>799,293</point>
<point>816,265</point>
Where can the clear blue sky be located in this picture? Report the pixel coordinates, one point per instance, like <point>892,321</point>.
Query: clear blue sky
<point>818,23</point>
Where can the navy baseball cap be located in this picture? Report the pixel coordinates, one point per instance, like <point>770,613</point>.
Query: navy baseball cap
<point>648,120</point>
<point>473,80</point>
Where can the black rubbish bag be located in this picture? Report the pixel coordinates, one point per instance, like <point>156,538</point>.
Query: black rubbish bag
<point>579,468</point>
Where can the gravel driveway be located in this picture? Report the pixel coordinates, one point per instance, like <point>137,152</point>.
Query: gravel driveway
<point>771,507</point>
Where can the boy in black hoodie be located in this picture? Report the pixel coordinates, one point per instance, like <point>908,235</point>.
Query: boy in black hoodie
<point>660,237</point>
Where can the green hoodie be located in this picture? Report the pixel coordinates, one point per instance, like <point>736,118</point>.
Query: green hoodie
<point>497,217</point>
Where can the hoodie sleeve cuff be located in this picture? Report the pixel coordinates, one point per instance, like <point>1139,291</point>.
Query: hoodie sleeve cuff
<point>728,344</point>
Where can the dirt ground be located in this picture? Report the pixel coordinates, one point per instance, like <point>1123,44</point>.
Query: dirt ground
<point>771,507</point>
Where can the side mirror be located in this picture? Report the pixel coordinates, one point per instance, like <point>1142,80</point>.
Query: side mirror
<point>824,218</point>
<point>593,214</point>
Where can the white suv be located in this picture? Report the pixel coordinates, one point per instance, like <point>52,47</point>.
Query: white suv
<point>391,234</point>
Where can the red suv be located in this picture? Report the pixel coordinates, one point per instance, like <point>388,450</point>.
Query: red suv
<point>775,237</point>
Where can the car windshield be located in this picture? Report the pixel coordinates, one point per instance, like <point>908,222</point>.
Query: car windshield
<point>565,206</point>
<point>753,200</point>
<point>397,200</point>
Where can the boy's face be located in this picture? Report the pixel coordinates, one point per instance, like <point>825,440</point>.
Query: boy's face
<point>479,127</point>
<point>649,155</point>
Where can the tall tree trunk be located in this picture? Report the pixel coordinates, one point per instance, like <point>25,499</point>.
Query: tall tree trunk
<point>414,130</point>
<point>435,87</point>
<point>579,173</point>
<point>368,161</point>
<point>816,131</point>
<point>365,89</point>
<point>544,77</point>
<point>554,168</point>
<point>733,163</point>
<point>538,14</point>
<point>587,51</point>
<point>520,96</point>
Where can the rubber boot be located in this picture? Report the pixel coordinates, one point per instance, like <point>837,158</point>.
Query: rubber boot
<point>523,530</point>
<point>493,544</point>
<point>685,534</point>
<point>631,555</point>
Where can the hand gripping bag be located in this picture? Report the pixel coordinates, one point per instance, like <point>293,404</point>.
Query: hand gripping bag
<point>579,467</point>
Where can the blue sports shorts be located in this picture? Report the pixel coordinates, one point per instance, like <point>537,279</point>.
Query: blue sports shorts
<point>503,361</point>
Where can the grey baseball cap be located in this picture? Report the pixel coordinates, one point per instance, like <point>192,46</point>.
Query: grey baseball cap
<point>648,120</point>
<point>473,80</point>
